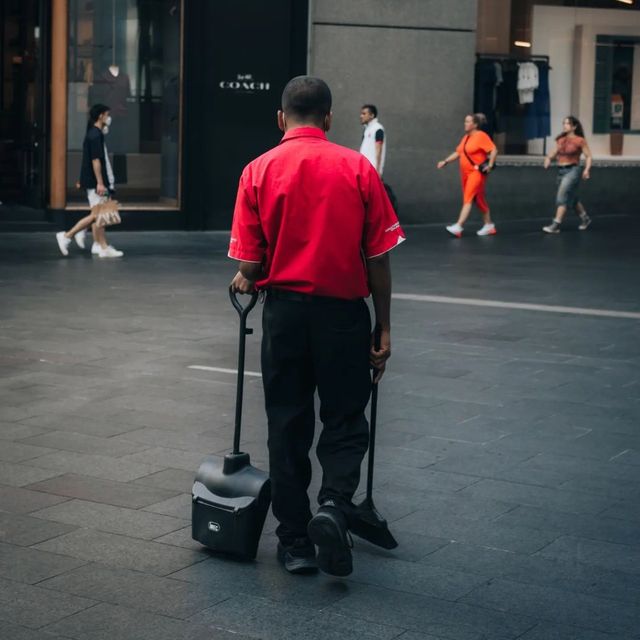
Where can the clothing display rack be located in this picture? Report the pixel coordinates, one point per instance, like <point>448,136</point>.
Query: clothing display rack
<point>496,98</point>
<point>505,58</point>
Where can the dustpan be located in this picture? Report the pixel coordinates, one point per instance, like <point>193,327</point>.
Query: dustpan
<point>231,497</point>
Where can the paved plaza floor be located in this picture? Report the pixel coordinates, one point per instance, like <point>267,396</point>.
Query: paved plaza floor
<point>509,445</point>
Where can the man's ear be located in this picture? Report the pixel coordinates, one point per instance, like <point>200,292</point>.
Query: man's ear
<point>328,119</point>
<point>282,125</point>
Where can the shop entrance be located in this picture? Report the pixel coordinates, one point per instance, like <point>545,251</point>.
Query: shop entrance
<point>23,34</point>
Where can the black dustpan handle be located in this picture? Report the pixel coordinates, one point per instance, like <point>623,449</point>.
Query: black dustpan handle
<point>377,332</point>
<point>243,312</point>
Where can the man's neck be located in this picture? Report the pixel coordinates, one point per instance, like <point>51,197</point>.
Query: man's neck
<point>302,125</point>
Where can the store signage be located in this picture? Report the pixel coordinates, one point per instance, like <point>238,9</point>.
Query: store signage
<point>244,83</point>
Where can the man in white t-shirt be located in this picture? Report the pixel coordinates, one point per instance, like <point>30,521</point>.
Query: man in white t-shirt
<point>374,143</point>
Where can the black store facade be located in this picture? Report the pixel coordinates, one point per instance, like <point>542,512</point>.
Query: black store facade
<point>193,87</point>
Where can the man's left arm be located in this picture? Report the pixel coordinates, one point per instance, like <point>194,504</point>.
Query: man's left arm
<point>379,146</point>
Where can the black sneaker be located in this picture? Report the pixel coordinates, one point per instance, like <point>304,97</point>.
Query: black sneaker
<point>328,530</point>
<point>299,557</point>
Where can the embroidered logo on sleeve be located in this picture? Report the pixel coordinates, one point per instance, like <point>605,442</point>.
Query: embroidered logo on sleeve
<point>393,227</point>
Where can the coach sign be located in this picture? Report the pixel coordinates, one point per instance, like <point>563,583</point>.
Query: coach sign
<point>244,83</point>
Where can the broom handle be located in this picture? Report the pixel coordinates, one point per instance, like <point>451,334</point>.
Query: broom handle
<point>373,417</point>
<point>243,312</point>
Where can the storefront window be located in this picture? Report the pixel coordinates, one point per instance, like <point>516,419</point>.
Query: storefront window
<point>541,60</point>
<point>126,54</point>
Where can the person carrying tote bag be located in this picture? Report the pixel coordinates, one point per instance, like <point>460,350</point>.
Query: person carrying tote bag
<point>94,177</point>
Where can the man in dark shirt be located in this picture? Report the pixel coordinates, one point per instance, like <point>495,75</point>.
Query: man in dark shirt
<point>313,227</point>
<point>94,178</point>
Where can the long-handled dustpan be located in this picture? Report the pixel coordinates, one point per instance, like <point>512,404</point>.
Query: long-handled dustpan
<point>366,521</point>
<point>230,497</point>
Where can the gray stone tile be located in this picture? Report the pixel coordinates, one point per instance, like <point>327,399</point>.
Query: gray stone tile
<point>10,631</point>
<point>17,500</point>
<point>559,523</point>
<point>153,594</point>
<point>106,517</point>
<point>123,552</point>
<point>398,575</point>
<point>177,507</point>
<point>556,605</point>
<point>178,480</point>
<point>550,631</point>
<point>181,538</point>
<point>569,575</point>
<point>101,426</point>
<point>432,616</point>
<point>330,626</point>
<point>112,622</point>
<point>162,457</point>
<point>264,579</point>
<point>499,536</point>
<point>96,465</point>
<point>24,530</point>
<point>515,493</point>
<point>32,566</point>
<point>83,443</point>
<point>411,635</point>
<point>120,494</point>
<point>18,430</point>
<point>19,475</point>
<point>258,617</point>
<point>625,511</point>
<point>178,439</point>
<point>625,558</point>
<point>34,607</point>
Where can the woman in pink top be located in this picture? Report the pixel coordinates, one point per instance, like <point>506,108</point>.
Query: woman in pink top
<point>570,145</point>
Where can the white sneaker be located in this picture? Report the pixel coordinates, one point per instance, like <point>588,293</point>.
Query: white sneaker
<point>455,230</point>
<point>79,238</point>
<point>585,221</point>
<point>554,227</point>
<point>110,252</point>
<point>95,249</point>
<point>487,230</point>
<point>63,243</point>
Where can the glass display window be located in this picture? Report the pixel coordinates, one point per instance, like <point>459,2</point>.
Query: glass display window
<point>127,55</point>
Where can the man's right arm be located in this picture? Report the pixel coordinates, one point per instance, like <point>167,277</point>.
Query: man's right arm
<point>97,171</point>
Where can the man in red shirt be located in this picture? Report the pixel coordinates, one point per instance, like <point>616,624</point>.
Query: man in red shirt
<point>312,227</point>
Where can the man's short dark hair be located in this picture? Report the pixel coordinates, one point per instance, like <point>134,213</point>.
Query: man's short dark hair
<point>372,108</point>
<point>306,99</point>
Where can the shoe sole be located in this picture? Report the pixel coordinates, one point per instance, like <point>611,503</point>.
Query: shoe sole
<point>489,233</point>
<point>455,235</point>
<point>299,566</point>
<point>549,231</point>
<point>585,227</point>
<point>334,554</point>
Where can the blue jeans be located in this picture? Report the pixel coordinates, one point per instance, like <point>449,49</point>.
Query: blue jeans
<point>568,185</point>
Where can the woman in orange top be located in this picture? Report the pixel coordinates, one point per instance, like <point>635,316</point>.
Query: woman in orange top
<point>477,155</point>
<point>570,145</point>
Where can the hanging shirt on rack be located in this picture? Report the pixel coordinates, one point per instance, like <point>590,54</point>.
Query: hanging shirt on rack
<point>528,81</point>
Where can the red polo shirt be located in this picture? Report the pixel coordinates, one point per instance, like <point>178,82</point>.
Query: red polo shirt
<point>311,211</point>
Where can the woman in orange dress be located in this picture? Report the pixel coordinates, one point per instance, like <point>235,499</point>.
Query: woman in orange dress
<point>477,154</point>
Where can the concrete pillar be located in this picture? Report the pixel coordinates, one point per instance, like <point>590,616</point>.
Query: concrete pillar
<point>58,161</point>
<point>413,59</point>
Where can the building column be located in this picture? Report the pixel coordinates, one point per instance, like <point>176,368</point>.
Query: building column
<point>58,164</point>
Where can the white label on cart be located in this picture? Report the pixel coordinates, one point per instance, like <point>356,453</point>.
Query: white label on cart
<point>215,527</point>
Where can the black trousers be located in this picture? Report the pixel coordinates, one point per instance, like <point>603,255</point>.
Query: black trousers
<point>314,343</point>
